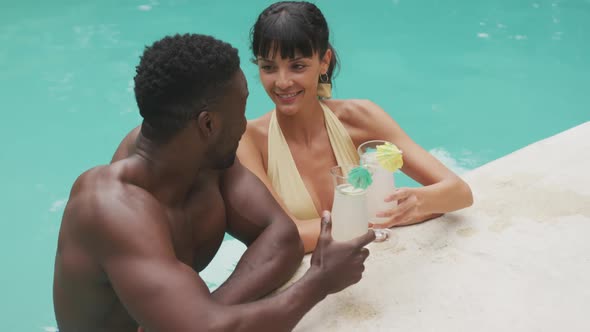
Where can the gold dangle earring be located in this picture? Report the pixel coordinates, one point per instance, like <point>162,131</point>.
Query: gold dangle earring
<point>324,87</point>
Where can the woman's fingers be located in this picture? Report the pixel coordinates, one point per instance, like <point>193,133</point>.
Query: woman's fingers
<point>399,194</point>
<point>399,215</point>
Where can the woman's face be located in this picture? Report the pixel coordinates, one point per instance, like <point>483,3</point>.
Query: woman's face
<point>292,83</point>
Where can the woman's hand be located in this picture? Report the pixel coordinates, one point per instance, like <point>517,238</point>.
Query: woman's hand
<point>406,212</point>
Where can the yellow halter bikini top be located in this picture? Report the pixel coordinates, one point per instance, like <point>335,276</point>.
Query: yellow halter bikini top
<point>282,170</point>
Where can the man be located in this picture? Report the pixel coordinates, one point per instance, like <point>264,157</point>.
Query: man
<point>135,233</point>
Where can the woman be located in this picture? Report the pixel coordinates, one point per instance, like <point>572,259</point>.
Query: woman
<point>292,147</point>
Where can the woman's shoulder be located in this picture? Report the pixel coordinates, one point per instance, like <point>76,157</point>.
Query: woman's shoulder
<point>257,130</point>
<point>259,126</point>
<point>363,119</point>
<point>355,112</point>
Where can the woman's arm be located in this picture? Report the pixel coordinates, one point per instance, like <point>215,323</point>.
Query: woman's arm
<point>443,191</point>
<point>250,155</point>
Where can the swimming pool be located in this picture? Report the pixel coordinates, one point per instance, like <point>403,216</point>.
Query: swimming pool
<point>469,81</point>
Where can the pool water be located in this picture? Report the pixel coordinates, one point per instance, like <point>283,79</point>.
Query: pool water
<point>470,81</point>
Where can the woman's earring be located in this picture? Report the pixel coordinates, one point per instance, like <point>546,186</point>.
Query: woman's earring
<point>324,87</point>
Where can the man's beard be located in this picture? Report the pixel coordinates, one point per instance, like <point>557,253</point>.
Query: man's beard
<point>226,162</point>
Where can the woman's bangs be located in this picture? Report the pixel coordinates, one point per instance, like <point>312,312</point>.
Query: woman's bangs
<point>285,40</point>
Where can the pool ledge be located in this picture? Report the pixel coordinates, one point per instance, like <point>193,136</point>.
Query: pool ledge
<point>517,260</point>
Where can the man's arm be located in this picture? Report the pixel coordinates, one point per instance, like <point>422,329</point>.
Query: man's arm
<point>126,236</point>
<point>274,249</point>
<point>267,263</point>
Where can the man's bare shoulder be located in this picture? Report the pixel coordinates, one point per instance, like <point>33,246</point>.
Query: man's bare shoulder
<point>127,145</point>
<point>104,206</point>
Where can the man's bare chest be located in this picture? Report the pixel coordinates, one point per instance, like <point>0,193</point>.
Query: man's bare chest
<point>198,226</point>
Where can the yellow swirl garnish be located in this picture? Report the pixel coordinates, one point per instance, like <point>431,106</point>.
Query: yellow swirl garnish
<point>389,157</point>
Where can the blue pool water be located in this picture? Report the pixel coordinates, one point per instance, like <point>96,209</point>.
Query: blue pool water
<point>469,80</point>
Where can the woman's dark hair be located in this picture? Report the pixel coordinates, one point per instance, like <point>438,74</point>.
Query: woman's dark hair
<point>289,26</point>
<point>177,77</point>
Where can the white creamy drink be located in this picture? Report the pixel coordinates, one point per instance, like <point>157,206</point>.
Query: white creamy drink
<point>349,212</point>
<point>382,186</point>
